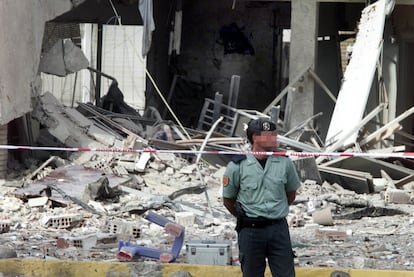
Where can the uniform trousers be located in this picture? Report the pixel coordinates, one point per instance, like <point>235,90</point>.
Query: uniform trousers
<point>271,243</point>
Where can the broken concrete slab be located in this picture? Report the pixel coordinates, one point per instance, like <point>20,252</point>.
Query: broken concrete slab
<point>63,58</point>
<point>355,90</point>
<point>370,165</point>
<point>100,190</point>
<point>353,180</point>
<point>50,113</point>
<point>72,179</point>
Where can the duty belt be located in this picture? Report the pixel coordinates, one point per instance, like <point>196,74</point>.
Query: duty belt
<point>258,222</point>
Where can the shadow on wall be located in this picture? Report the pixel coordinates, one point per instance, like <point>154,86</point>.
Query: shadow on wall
<point>234,40</point>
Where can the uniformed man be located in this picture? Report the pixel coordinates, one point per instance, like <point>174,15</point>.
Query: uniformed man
<point>258,190</point>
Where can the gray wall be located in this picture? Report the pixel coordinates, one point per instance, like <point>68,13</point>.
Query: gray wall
<point>203,59</point>
<point>328,65</point>
<point>21,36</point>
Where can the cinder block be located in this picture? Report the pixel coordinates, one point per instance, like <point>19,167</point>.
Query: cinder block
<point>124,228</point>
<point>86,242</point>
<point>397,197</point>
<point>185,218</point>
<point>4,226</point>
<point>63,221</point>
<point>83,242</point>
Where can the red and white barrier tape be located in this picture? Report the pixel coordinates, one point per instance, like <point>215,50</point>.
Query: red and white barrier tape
<point>408,155</point>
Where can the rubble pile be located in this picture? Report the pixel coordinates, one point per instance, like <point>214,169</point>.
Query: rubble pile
<point>81,206</point>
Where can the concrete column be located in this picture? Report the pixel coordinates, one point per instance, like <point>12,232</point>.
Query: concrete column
<point>300,99</point>
<point>390,65</point>
<point>3,153</point>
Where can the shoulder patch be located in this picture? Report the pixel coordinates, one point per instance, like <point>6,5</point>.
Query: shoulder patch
<point>225,180</point>
<point>238,158</point>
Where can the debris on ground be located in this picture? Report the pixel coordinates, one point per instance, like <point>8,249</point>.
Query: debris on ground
<point>350,212</point>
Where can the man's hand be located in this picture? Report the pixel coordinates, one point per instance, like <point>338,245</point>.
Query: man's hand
<point>291,196</point>
<point>229,204</point>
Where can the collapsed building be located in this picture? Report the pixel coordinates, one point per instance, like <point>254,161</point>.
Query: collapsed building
<point>194,85</point>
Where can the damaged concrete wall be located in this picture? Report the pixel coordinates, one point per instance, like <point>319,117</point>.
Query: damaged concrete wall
<point>21,36</point>
<point>204,58</point>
